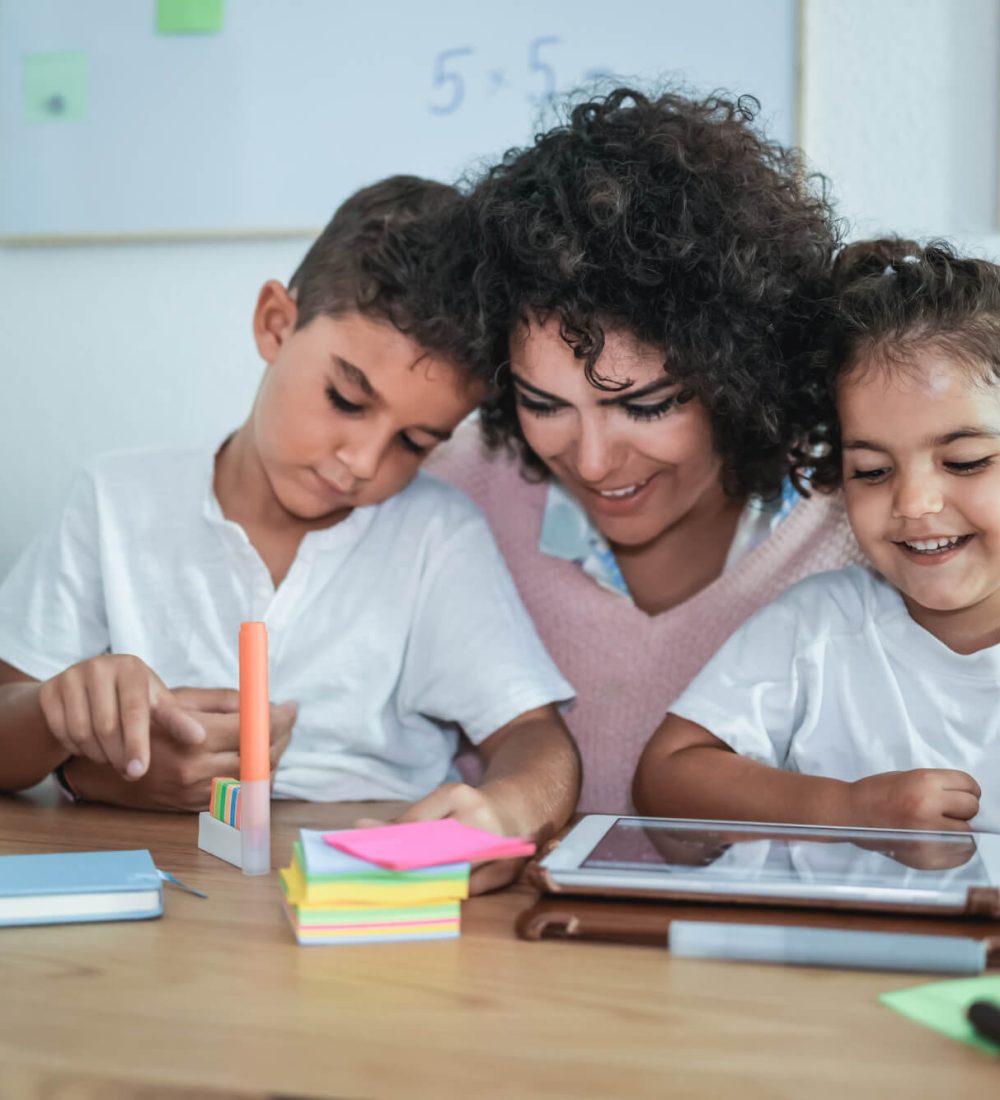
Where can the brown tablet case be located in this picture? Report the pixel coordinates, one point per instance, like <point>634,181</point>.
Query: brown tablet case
<point>641,921</point>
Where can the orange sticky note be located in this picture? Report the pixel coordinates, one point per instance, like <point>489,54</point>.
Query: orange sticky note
<point>427,844</point>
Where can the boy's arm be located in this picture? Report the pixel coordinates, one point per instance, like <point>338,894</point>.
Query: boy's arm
<point>28,751</point>
<point>529,788</point>
<point>685,771</point>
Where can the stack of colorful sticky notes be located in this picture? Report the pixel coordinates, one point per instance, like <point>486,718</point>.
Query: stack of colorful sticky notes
<point>392,882</point>
<point>219,825</point>
<point>226,801</point>
<point>332,897</point>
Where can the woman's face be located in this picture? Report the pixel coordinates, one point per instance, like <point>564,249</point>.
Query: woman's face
<point>636,459</point>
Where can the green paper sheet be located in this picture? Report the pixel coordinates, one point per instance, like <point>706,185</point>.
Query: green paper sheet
<point>189,16</point>
<point>55,86</point>
<point>942,1006</point>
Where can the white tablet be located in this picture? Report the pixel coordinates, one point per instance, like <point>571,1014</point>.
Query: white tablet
<point>762,864</point>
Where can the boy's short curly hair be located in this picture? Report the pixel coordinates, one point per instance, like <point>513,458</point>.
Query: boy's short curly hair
<point>893,297</point>
<point>401,250</point>
<point>674,219</point>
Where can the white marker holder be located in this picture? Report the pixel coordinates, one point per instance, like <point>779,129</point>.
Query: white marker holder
<point>219,839</point>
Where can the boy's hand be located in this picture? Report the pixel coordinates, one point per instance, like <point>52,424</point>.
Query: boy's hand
<point>472,806</point>
<point>102,708</point>
<point>180,776</point>
<point>925,798</point>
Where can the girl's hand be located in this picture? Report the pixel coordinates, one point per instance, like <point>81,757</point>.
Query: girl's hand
<point>925,798</point>
<point>102,708</point>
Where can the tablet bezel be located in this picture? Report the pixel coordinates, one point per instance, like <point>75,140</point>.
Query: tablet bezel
<point>562,871</point>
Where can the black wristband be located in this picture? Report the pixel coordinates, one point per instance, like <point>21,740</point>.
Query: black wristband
<point>64,784</point>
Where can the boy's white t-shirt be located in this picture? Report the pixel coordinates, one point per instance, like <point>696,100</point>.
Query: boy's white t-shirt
<point>391,630</point>
<point>835,679</point>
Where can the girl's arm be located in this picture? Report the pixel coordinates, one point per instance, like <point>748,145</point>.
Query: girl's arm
<point>685,771</point>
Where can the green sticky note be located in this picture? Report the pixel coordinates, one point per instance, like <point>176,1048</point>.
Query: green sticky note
<point>943,1005</point>
<point>189,16</point>
<point>56,86</point>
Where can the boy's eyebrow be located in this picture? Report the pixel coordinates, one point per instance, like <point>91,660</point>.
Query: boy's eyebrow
<point>618,399</point>
<point>357,376</point>
<point>933,441</point>
<point>360,379</point>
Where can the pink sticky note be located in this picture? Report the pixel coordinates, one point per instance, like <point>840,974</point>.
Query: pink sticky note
<point>426,844</point>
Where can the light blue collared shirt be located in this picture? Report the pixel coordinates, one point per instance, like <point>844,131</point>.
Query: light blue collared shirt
<point>568,533</point>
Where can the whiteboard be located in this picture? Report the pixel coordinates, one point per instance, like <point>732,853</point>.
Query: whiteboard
<point>109,128</point>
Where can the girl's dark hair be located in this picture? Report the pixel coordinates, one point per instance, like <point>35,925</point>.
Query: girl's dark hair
<point>401,250</point>
<point>675,220</point>
<point>893,297</point>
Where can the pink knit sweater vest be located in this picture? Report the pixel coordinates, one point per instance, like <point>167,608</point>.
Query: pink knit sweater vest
<point>627,666</point>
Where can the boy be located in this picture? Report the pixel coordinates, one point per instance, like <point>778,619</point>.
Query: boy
<point>392,621</point>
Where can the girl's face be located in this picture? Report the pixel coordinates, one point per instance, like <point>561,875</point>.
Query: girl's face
<point>637,461</point>
<point>921,472</point>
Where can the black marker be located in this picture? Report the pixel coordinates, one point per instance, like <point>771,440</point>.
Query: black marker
<point>985,1018</point>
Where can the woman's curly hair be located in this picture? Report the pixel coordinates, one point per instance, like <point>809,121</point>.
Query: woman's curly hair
<point>673,219</point>
<point>893,297</point>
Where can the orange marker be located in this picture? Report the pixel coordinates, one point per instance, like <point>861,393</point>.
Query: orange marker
<point>255,751</point>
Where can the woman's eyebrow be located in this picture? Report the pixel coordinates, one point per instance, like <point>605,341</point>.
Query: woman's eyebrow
<point>619,398</point>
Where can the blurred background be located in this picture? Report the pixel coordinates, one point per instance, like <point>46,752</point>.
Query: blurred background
<point>160,160</point>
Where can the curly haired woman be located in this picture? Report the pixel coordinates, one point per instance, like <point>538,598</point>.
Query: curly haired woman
<point>651,274</point>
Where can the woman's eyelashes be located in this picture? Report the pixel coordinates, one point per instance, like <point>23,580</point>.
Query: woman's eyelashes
<point>411,445</point>
<point>632,411</point>
<point>342,405</point>
<point>650,412</point>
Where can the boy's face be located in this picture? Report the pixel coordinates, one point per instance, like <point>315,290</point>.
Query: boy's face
<point>922,482</point>
<point>348,408</point>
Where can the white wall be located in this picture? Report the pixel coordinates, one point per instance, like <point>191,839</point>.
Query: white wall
<point>901,112</point>
<point>109,347</point>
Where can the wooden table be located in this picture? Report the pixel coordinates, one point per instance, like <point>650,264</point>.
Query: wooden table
<point>216,999</point>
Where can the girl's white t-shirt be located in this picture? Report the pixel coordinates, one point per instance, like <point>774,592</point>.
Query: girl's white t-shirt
<point>835,679</point>
<point>392,630</point>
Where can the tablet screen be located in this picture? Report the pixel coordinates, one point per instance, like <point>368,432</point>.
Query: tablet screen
<point>774,855</point>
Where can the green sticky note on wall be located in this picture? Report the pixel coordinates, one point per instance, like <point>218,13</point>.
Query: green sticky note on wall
<point>189,16</point>
<point>55,86</point>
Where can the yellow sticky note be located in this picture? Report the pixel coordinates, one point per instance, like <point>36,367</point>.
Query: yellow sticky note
<point>55,86</point>
<point>189,16</point>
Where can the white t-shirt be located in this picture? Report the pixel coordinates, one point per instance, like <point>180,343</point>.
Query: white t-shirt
<point>391,630</point>
<point>835,679</point>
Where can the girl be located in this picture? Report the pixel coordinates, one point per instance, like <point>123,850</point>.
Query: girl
<point>867,696</point>
<point>651,271</point>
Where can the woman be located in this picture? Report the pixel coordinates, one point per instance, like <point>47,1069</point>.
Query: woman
<point>651,275</point>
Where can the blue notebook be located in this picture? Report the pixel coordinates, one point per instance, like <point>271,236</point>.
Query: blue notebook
<point>79,886</point>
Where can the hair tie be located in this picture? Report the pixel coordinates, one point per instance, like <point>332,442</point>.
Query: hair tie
<point>892,268</point>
